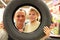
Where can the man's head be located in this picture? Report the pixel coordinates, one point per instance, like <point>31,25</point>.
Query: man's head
<point>19,16</point>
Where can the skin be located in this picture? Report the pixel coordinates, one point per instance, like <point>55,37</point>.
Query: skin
<point>47,31</point>
<point>20,19</point>
<point>33,16</point>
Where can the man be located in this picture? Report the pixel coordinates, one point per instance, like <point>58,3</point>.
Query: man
<point>19,19</point>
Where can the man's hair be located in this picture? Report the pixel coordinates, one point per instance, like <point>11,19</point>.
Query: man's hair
<point>21,10</point>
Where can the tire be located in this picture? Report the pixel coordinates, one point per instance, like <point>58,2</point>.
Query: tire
<point>8,19</point>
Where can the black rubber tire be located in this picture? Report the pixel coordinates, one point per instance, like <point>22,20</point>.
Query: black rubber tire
<point>8,19</point>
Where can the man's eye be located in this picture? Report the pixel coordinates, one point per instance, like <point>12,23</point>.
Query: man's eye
<point>22,15</point>
<point>18,16</point>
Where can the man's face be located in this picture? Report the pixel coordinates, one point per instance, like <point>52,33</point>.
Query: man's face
<point>20,17</point>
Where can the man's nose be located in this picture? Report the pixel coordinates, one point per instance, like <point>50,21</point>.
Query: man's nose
<point>20,18</point>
